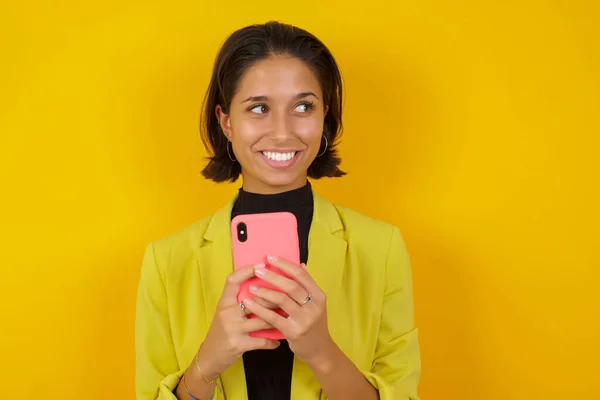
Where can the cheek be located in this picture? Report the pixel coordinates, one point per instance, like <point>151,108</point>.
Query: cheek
<point>246,132</point>
<point>310,132</point>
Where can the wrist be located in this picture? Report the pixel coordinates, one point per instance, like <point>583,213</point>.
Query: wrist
<point>324,361</point>
<point>205,367</point>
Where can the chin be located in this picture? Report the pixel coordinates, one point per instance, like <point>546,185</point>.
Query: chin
<point>277,179</point>
<point>281,180</point>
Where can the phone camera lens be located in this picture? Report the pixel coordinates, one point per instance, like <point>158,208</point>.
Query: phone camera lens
<point>242,232</point>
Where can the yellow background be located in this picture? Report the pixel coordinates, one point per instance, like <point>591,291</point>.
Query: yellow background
<point>472,125</point>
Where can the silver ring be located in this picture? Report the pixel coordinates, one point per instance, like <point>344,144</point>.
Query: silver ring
<point>306,300</point>
<point>243,307</point>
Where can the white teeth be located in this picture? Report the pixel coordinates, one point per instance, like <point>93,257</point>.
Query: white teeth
<point>271,155</point>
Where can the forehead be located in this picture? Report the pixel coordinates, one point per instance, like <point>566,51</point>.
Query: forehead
<point>278,77</point>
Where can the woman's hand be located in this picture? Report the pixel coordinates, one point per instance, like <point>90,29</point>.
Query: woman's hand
<point>305,328</point>
<point>227,338</point>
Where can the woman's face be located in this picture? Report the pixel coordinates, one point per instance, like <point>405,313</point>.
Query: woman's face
<point>275,124</point>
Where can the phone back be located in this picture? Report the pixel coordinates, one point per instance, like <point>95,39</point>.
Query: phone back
<point>253,237</point>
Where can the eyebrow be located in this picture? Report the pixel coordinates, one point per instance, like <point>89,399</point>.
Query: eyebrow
<point>266,98</point>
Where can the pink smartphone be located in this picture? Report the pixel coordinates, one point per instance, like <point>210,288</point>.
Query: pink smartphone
<point>253,237</point>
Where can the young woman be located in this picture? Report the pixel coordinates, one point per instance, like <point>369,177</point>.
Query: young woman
<point>272,114</point>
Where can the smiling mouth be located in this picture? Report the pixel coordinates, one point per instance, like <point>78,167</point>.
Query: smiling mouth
<point>275,156</point>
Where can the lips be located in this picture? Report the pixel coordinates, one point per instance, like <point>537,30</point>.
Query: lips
<point>279,156</point>
<point>280,160</point>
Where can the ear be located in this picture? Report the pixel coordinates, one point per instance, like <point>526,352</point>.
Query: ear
<point>224,121</point>
<point>325,114</point>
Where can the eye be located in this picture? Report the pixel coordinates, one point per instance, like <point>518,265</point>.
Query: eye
<point>258,109</point>
<point>304,107</point>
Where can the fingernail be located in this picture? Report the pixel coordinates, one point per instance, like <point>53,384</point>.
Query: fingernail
<point>257,266</point>
<point>253,288</point>
<point>272,258</point>
<point>260,271</point>
<point>248,302</point>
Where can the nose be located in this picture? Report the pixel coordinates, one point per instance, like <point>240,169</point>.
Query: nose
<point>282,127</point>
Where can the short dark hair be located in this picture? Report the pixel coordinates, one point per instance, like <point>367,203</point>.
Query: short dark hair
<point>240,51</point>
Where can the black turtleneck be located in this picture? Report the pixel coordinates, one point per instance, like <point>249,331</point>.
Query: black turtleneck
<point>269,372</point>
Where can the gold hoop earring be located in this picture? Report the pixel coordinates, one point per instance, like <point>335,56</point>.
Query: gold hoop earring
<point>325,149</point>
<point>228,152</point>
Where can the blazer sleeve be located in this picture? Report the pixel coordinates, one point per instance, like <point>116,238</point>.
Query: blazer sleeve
<point>396,368</point>
<point>157,372</point>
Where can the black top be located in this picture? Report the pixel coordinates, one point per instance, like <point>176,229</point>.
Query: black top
<point>269,372</point>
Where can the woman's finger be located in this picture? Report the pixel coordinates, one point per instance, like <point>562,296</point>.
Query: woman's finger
<point>269,316</point>
<point>294,289</point>
<point>233,283</point>
<point>255,343</point>
<point>297,273</point>
<point>283,301</point>
<point>254,324</point>
<point>265,303</point>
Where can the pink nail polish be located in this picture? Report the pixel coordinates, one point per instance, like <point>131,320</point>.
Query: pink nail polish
<point>260,271</point>
<point>272,258</point>
<point>253,288</point>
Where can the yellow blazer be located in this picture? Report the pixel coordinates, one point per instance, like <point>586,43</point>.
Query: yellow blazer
<point>359,262</point>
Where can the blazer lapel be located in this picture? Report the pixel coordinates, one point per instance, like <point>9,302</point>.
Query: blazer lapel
<point>326,260</point>
<point>215,263</point>
<point>327,253</point>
